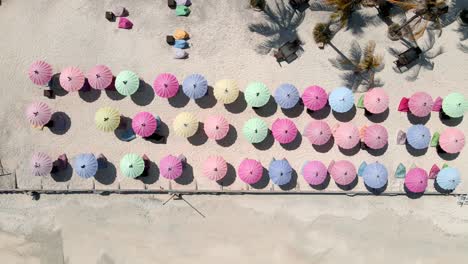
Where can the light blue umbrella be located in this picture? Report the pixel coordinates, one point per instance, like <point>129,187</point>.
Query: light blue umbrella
<point>341,100</point>
<point>280,172</point>
<point>85,165</point>
<point>375,175</point>
<point>287,96</point>
<point>195,86</point>
<point>418,137</point>
<point>448,178</point>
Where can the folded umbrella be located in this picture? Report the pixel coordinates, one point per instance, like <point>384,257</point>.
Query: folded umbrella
<point>287,96</point>
<point>318,132</point>
<point>40,72</point>
<point>132,165</point>
<point>226,91</point>
<point>257,94</point>
<point>280,172</point>
<point>452,140</point>
<point>418,137</point>
<point>185,124</point>
<point>314,172</point>
<point>400,172</point>
<point>170,167</point>
<point>216,127</point>
<point>341,100</point>
<point>144,124</point>
<point>85,165</point>
<point>347,135</point>
<point>454,105</point>
<point>437,106</point>
<point>284,130</point>
<point>361,168</point>
<point>375,136</point>
<point>100,77</point>
<point>72,79</point>
<point>416,180</point>
<point>127,83</point>
<point>376,101</point>
<point>166,85</point>
<point>215,168</point>
<point>195,86</point>
<point>403,105</point>
<point>448,178</point>
<point>401,137</point>
<point>343,172</point>
<point>38,114</point>
<point>255,130</point>
<point>434,171</point>
<point>107,119</point>
<point>125,23</point>
<point>314,97</point>
<point>420,104</point>
<point>250,171</point>
<point>375,175</point>
<point>41,164</point>
<point>180,34</point>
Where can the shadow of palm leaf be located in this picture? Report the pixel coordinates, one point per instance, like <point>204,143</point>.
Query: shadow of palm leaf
<point>359,20</point>
<point>463,47</point>
<point>455,6</point>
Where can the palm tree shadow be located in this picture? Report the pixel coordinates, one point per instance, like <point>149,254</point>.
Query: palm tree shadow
<point>359,20</point>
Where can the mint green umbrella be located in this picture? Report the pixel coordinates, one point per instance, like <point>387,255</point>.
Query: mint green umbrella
<point>257,94</point>
<point>132,165</point>
<point>454,105</point>
<point>127,83</point>
<point>255,130</point>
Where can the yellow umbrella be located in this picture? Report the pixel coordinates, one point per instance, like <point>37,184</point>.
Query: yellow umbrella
<point>107,119</point>
<point>185,124</point>
<point>226,91</point>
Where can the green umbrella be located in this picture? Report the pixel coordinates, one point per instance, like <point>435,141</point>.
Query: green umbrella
<point>127,83</point>
<point>257,94</point>
<point>255,130</point>
<point>454,105</point>
<point>132,165</point>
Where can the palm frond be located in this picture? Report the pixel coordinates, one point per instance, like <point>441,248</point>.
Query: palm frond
<point>404,4</point>
<point>264,29</point>
<point>463,47</point>
<point>355,52</point>
<point>394,52</point>
<point>342,64</point>
<point>429,41</point>
<point>432,54</point>
<point>413,73</point>
<point>322,33</point>
<point>320,5</point>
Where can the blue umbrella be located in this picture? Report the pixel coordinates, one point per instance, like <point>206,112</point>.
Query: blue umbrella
<point>448,178</point>
<point>195,86</point>
<point>341,100</point>
<point>418,137</point>
<point>280,172</point>
<point>85,165</point>
<point>287,96</point>
<point>375,175</point>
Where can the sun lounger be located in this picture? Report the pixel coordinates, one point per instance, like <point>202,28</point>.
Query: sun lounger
<point>408,57</point>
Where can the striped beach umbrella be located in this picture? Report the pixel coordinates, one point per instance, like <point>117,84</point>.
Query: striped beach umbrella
<point>280,172</point>
<point>72,79</point>
<point>100,77</point>
<point>418,136</point>
<point>195,86</point>
<point>166,85</point>
<point>257,94</point>
<point>215,168</point>
<point>226,91</point>
<point>185,124</point>
<point>287,96</point>
<point>255,130</point>
<point>127,83</point>
<point>41,164</point>
<point>85,165</point>
<point>107,119</point>
<point>170,167</point>
<point>250,171</point>
<point>40,72</point>
<point>341,100</point>
<point>314,172</point>
<point>315,97</point>
<point>318,132</point>
<point>38,114</point>
<point>132,165</point>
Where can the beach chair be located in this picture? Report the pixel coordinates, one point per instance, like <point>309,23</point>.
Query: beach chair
<point>110,16</point>
<point>49,94</point>
<point>408,57</point>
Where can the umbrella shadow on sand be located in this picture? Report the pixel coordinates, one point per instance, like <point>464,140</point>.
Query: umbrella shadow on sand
<point>295,144</point>
<point>377,152</point>
<point>112,93</point>
<point>267,110</point>
<point>61,123</point>
<point>440,189</point>
<point>229,139</point>
<point>187,175</point>
<point>320,114</point>
<point>323,185</point>
<point>377,118</point>
<point>415,152</point>
<point>230,177</point>
<point>55,86</point>
<point>325,147</point>
<point>151,175</point>
<point>448,121</point>
<point>238,106</point>
<point>200,137</point>
<point>62,175</point>
<point>267,143</point>
<point>161,134</point>
<point>352,151</point>
<point>208,100</point>
<point>179,100</point>
<point>89,94</point>
<point>106,175</point>
<point>415,120</point>
<point>446,156</point>
<point>263,182</point>
<point>350,186</point>
<point>345,117</point>
<point>295,111</point>
<point>144,95</point>
<point>292,184</point>
<point>376,191</point>
<point>412,195</point>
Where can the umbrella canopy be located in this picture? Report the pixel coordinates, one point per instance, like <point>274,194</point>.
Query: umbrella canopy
<point>375,136</point>
<point>280,172</point>
<point>144,124</point>
<point>416,180</point>
<point>72,79</point>
<point>418,136</point>
<point>452,140</point>
<point>250,171</point>
<point>341,100</point>
<point>41,164</point>
<point>376,101</point>
<point>314,172</point>
<point>85,165</point>
<point>38,114</point>
<point>170,167</point>
<point>448,178</point>
<point>40,72</point>
<point>185,124</point>
<point>100,77</point>
<point>255,130</point>
<point>346,135</point>
<point>215,168</point>
<point>318,132</point>
<point>375,175</point>
<point>257,94</point>
<point>226,91</point>
<point>287,96</point>
<point>107,119</point>
<point>420,104</point>
<point>127,83</point>
<point>195,86</point>
<point>166,85</point>
<point>132,165</point>
<point>343,172</point>
<point>454,105</point>
<point>216,127</point>
<point>284,130</point>
<point>315,97</point>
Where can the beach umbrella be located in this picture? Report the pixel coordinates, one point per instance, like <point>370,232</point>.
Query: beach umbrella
<point>72,79</point>
<point>166,85</point>
<point>132,165</point>
<point>280,171</point>
<point>433,172</point>
<point>250,171</point>
<point>257,94</point>
<point>343,172</point>
<point>215,168</point>
<point>38,114</point>
<point>195,86</point>
<point>226,91</point>
<point>314,97</point>
<point>185,124</point>
<point>314,172</point>
<point>284,130</point>
<point>107,119</point>
<point>170,167</point>
<point>318,132</point>
<point>41,164</point>
<point>100,77</point>
<point>341,100</point>
<point>418,136</point>
<point>255,130</point>
<point>454,105</point>
<point>144,124</point>
<point>452,140</point>
<point>448,178</point>
<point>375,175</point>
<point>376,101</point>
<point>375,136</point>
<point>85,165</point>
<point>40,72</point>
<point>216,127</point>
<point>437,106</point>
<point>127,83</point>
<point>416,180</point>
<point>420,104</point>
<point>287,96</point>
<point>346,135</point>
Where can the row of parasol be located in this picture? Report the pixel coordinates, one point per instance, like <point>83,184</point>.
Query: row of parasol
<point>420,104</point>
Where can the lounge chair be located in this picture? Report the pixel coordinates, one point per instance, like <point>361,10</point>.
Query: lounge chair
<point>110,16</point>
<point>49,94</point>
<point>408,57</point>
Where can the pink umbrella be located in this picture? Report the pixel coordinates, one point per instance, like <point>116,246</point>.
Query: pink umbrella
<point>215,168</point>
<point>315,97</point>
<point>41,164</point>
<point>250,171</point>
<point>452,140</point>
<point>318,132</point>
<point>314,172</point>
<point>284,130</point>
<point>166,85</point>
<point>100,77</point>
<point>144,124</point>
<point>170,167</point>
<point>376,101</point>
<point>403,106</point>
<point>416,180</point>
<point>420,104</point>
<point>343,172</point>
<point>346,135</point>
<point>375,136</point>
<point>434,171</point>
<point>40,72</point>
<point>38,114</point>
<point>216,127</point>
<point>72,79</point>
<point>437,104</point>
